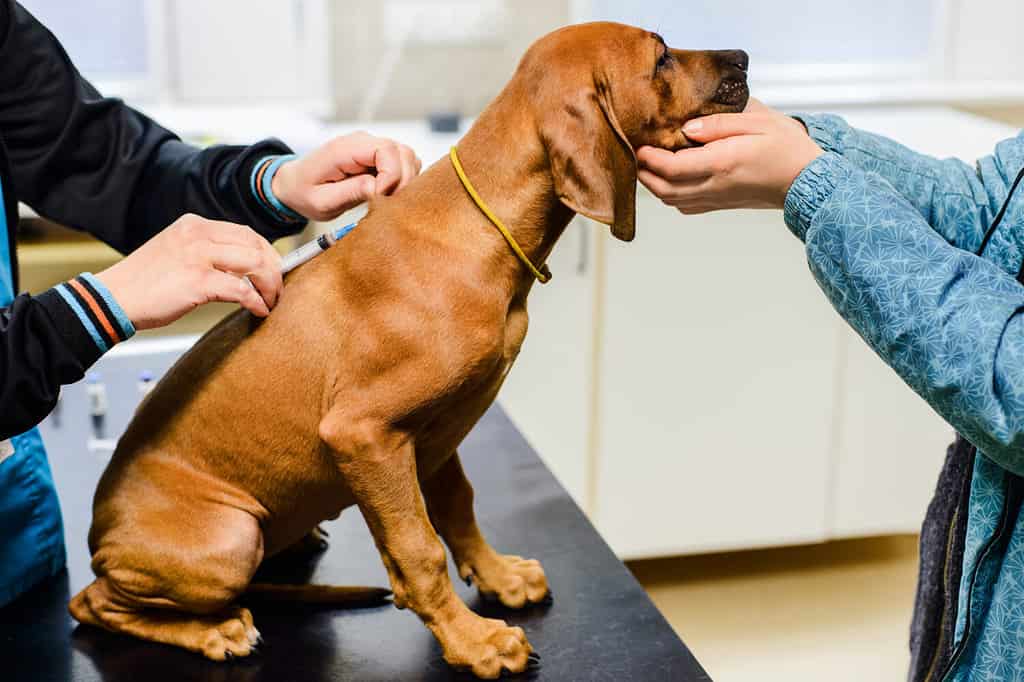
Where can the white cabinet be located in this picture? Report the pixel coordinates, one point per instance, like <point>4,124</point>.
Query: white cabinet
<point>236,52</point>
<point>549,392</point>
<point>715,387</point>
<point>890,447</point>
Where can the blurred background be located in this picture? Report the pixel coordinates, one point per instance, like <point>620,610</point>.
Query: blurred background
<point>761,471</point>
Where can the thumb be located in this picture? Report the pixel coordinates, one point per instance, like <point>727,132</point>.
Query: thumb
<point>718,126</point>
<point>334,198</point>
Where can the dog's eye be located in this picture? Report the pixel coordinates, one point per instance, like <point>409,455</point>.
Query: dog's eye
<point>664,59</point>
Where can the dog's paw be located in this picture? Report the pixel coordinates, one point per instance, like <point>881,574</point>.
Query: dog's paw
<point>487,648</point>
<point>235,637</point>
<point>514,581</point>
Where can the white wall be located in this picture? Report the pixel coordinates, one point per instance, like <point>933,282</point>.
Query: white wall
<point>986,42</point>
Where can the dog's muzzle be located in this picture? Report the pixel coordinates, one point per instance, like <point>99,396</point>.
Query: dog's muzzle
<point>732,89</point>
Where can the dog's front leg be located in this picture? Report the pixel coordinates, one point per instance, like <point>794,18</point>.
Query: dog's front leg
<point>513,580</point>
<point>379,466</point>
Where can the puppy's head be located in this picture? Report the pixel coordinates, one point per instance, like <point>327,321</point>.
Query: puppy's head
<point>601,90</point>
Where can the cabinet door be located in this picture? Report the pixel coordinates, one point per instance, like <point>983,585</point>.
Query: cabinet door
<point>891,445</point>
<point>233,52</point>
<point>717,365</point>
<point>548,393</point>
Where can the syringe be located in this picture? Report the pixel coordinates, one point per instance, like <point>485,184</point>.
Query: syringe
<point>308,251</point>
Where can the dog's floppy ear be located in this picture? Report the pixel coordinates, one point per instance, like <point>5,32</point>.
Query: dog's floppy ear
<point>592,162</point>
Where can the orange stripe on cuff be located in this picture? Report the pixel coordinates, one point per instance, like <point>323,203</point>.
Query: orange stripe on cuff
<point>259,181</point>
<point>96,309</point>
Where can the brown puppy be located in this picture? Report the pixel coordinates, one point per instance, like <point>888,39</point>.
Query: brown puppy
<point>379,358</point>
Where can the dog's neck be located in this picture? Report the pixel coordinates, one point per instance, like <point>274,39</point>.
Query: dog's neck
<point>507,163</point>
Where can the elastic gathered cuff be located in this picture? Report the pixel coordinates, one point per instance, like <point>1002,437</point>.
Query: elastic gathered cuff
<point>811,189</point>
<point>825,129</point>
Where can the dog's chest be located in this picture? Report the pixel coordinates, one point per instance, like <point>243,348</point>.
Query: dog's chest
<point>451,419</point>
<point>516,326</point>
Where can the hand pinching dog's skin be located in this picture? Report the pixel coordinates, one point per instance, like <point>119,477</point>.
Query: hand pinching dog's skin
<point>379,358</point>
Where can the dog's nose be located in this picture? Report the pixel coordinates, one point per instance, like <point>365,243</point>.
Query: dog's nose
<point>737,59</point>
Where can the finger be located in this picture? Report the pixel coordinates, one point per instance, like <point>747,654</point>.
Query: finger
<point>337,197</point>
<point>659,186</point>
<point>255,258</point>
<point>718,126</point>
<point>410,167</point>
<point>756,106</point>
<point>685,165</point>
<point>388,161</point>
<point>223,232</point>
<point>273,262</point>
<point>266,277</point>
<point>696,209</point>
<point>671,192</point>
<point>351,154</point>
<point>232,257</point>
<point>220,286</point>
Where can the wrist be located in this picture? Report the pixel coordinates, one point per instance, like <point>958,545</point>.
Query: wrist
<point>282,183</point>
<point>277,192</point>
<point>119,289</point>
<point>812,188</point>
<point>809,151</point>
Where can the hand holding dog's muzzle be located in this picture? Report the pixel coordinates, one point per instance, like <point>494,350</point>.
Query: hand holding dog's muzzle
<point>747,160</point>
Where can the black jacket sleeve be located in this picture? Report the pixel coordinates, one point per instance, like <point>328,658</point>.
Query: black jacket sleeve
<point>93,163</point>
<point>43,345</point>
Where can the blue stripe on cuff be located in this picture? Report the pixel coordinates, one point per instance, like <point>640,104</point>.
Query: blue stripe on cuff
<point>72,302</point>
<point>268,192</point>
<point>122,319</point>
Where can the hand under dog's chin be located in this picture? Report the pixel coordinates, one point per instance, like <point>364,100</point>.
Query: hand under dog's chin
<point>680,141</point>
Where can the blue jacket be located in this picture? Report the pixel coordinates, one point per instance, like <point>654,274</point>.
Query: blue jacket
<point>891,238</point>
<point>32,544</point>
<point>94,164</point>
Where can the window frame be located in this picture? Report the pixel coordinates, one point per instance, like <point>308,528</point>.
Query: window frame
<point>161,84</point>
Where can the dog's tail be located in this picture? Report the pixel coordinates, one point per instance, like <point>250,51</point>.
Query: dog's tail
<point>328,595</point>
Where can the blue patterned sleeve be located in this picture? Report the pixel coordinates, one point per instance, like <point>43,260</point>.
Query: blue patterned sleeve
<point>957,200</point>
<point>948,322</point>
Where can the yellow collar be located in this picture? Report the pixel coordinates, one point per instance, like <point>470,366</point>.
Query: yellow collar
<point>543,274</point>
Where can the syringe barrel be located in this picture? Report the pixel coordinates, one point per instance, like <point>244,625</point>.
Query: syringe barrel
<point>312,249</point>
<point>301,255</point>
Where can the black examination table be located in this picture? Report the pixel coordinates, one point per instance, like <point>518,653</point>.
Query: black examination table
<point>600,626</point>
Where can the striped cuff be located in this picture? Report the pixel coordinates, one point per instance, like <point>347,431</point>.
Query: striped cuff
<point>97,311</point>
<point>261,184</point>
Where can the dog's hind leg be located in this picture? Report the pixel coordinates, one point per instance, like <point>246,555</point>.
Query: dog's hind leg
<point>221,636</point>
<point>513,580</point>
<point>173,578</point>
<point>379,466</point>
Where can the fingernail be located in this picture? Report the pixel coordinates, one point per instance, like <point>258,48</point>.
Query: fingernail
<point>693,126</point>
